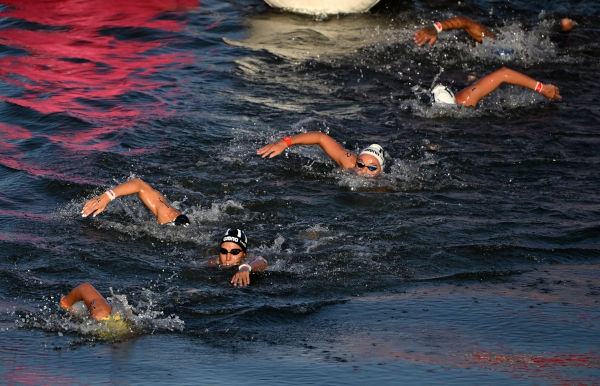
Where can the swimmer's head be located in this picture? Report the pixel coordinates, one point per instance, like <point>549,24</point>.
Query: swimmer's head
<point>233,247</point>
<point>370,161</point>
<point>182,219</point>
<point>113,327</point>
<point>442,95</point>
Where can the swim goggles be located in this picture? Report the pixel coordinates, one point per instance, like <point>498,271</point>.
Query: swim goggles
<point>371,168</point>
<point>234,251</point>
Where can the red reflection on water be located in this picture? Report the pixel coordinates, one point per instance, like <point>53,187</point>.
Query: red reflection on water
<point>13,214</point>
<point>78,70</point>
<point>11,156</point>
<point>553,366</point>
<point>25,375</point>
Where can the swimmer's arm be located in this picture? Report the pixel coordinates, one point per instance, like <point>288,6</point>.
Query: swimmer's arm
<point>334,150</point>
<point>153,200</point>
<point>258,264</point>
<point>95,302</point>
<point>471,95</point>
<point>242,276</point>
<point>476,30</point>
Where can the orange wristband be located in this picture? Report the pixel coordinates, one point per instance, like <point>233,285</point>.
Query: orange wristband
<point>288,141</point>
<point>438,26</point>
<point>538,87</point>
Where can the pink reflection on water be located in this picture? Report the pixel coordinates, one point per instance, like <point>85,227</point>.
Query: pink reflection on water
<point>35,375</point>
<point>12,157</point>
<point>100,68</point>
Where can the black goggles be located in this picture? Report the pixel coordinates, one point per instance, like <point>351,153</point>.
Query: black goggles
<point>234,251</point>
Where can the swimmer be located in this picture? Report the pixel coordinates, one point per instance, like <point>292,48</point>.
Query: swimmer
<point>156,202</point>
<point>232,252</point>
<point>475,30</point>
<point>100,311</point>
<point>471,95</point>
<point>96,304</point>
<point>369,162</point>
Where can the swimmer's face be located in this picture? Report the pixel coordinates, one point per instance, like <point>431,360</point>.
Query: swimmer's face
<point>367,162</point>
<point>233,254</point>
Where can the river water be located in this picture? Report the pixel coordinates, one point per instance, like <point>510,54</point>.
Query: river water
<point>473,259</point>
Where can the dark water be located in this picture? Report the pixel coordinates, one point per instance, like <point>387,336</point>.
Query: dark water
<point>474,259</point>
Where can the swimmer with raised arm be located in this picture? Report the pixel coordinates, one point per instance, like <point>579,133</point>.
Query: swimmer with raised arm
<point>113,323</point>
<point>96,304</point>
<point>471,95</point>
<point>156,202</point>
<point>477,31</point>
<point>368,163</point>
<point>233,251</point>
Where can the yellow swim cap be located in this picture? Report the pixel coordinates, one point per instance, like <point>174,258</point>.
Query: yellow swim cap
<point>113,327</point>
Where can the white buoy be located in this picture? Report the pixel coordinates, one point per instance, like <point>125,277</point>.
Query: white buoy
<point>323,7</point>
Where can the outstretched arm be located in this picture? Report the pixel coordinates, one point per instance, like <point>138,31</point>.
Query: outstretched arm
<point>96,304</point>
<point>334,150</point>
<point>155,201</point>
<point>473,94</point>
<point>242,276</point>
<point>474,29</point>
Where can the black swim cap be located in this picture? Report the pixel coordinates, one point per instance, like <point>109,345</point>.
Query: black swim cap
<point>182,219</point>
<point>236,236</point>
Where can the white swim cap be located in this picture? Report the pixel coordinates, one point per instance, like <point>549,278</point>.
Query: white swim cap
<point>442,94</point>
<point>376,151</point>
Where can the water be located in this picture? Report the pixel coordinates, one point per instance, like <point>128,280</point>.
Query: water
<point>474,259</point>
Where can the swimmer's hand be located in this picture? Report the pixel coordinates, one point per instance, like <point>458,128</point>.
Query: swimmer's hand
<point>241,278</point>
<point>426,34</point>
<point>272,150</point>
<point>95,206</point>
<point>550,91</point>
<point>567,24</point>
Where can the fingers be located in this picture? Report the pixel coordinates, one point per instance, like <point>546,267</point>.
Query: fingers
<point>271,150</point>
<point>422,37</point>
<point>265,150</point>
<point>241,279</point>
<point>94,206</point>
<point>550,91</point>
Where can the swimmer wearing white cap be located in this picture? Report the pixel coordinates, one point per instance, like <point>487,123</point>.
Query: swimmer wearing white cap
<point>471,95</point>
<point>369,163</point>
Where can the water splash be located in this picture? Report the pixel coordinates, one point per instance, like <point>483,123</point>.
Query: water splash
<point>131,321</point>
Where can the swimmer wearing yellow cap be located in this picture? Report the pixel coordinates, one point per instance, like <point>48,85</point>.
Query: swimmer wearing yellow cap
<point>112,324</point>
<point>368,163</point>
